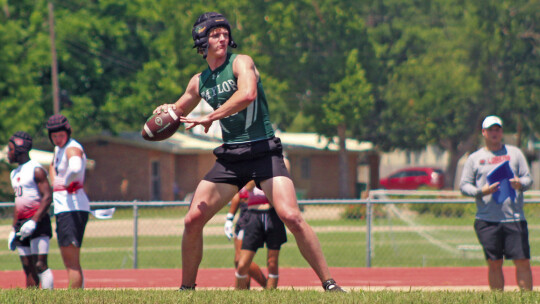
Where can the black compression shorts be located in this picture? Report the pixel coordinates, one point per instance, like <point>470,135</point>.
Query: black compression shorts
<point>237,164</point>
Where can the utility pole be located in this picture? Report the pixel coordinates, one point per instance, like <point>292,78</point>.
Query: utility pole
<point>54,63</point>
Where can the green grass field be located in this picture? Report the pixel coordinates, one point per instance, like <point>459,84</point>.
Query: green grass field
<point>429,241</point>
<point>275,296</point>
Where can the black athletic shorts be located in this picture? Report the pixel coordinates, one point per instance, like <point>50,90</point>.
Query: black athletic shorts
<point>241,220</point>
<point>508,240</point>
<point>263,226</point>
<point>70,228</point>
<point>43,228</point>
<point>237,164</point>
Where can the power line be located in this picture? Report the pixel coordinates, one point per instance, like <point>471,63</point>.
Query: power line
<point>128,65</point>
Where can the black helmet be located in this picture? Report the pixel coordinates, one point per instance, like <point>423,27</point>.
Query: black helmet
<point>22,142</point>
<point>204,24</point>
<point>56,123</point>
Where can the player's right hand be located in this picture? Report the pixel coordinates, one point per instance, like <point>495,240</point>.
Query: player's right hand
<point>27,229</point>
<point>11,240</point>
<point>229,226</point>
<point>164,108</point>
<point>489,189</point>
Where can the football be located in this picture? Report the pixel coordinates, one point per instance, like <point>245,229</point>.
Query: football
<point>161,126</point>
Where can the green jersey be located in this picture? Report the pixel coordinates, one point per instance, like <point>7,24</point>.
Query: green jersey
<point>250,124</point>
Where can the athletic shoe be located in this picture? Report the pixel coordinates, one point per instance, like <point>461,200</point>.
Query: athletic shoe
<point>188,288</point>
<point>331,286</point>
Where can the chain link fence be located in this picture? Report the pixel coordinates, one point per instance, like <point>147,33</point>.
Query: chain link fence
<point>387,229</point>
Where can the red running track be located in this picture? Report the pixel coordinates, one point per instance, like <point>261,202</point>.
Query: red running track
<point>352,278</point>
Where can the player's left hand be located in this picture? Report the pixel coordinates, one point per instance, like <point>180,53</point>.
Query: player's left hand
<point>27,229</point>
<point>203,121</point>
<point>11,240</point>
<point>515,183</point>
<point>228,228</point>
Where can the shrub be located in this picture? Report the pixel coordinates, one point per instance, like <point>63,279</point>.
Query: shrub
<point>358,212</point>
<point>444,210</point>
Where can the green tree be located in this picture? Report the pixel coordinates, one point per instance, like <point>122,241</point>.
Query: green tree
<point>502,42</point>
<point>21,65</point>
<point>345,108</point>
<point>433,102</point>
<point>307,43</point>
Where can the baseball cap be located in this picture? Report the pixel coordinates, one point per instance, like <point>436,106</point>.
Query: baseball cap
<point>490,121</point>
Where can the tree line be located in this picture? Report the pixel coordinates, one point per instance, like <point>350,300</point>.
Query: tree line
<point>399,73</point>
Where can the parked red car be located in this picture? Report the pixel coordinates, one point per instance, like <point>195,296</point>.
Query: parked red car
<point>414,177</point>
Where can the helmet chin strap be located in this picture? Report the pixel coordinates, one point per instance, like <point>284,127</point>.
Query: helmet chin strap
<point>205,52</point>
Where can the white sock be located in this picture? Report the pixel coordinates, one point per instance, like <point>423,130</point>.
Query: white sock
<point>46,279</point>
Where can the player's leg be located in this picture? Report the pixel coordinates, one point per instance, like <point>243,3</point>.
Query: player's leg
<point>40,247</point>
<point>524,274</point>
<point>44,272</point>
<point>495,274</point>
<point>71,257</point>
<point>255,271</point>
<point>273,268</point>
<point>70,227</point>
<point>280,191</point>
<point>208,199</point>
<point>237,247</point>
<point>517,248</point>
<point>491,237</point>
<point>28,265</point>
<point>244,262</point>
<point>276,236</point>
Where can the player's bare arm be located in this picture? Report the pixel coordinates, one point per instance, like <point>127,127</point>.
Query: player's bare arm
<point>235,202</point>
<point>246,73</point>
<point>52,172</point>
<point>187,102</point>
<point>40,177</point>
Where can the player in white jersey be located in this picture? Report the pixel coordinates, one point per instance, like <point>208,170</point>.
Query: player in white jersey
<point>31,221</point>
<point>71,205</point>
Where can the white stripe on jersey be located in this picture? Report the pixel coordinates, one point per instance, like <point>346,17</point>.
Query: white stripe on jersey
<point>251,114</point>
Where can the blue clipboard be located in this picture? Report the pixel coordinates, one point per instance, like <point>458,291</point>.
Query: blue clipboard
<point>502,174</point>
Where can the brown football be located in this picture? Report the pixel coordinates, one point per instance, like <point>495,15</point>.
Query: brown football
<point>161,126</point>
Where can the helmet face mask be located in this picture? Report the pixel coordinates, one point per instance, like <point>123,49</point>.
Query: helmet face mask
<point>58,123</point>
<point>22,144</point>
<point>202,28</point>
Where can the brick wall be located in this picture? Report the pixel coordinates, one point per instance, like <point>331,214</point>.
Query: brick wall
<point>124,172</point>
<point>323,179</point>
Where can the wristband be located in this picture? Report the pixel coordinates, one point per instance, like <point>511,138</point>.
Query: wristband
<point>230,216</point>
